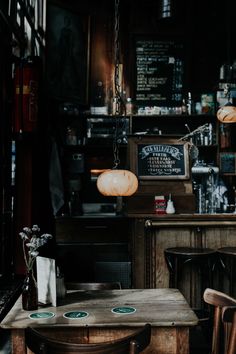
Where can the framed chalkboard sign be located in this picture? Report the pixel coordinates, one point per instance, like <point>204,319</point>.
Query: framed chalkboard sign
<point>159,68</point>
<point>228,163</point>
<point>159,159</point>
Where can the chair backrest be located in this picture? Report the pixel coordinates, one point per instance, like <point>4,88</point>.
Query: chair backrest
<point>229,316</point>
<point>93,286</point>
<point>218,300</point>
<point>132,344</point>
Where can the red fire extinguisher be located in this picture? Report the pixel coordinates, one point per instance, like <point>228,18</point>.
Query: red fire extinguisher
<point>26,87</point>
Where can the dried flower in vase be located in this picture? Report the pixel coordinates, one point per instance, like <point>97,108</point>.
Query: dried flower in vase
<point>32,240</point>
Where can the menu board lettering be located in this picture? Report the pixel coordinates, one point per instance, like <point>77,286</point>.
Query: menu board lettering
<point>162,161</point>
<point>159,72</point>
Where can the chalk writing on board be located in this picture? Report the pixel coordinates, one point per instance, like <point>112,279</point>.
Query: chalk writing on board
<point>159,72</point>
<point>161,160</point>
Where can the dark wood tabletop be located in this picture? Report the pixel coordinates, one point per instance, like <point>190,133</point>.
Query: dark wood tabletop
<point>104,319</point>
<point>160,307</point>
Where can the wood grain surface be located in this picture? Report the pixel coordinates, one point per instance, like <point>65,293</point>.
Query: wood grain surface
<point>165,309</point>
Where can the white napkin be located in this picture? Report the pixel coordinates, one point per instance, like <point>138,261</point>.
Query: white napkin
<point>46,280</point>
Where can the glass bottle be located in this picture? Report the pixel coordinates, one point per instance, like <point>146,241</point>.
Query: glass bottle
<point>30,292</point>
<point>129,107</point>
<point>170,209</point>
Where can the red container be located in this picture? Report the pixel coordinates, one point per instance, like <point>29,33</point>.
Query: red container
<point>160,205</point>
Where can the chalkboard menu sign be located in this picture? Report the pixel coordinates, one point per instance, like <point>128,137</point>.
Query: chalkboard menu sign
<point>160,159</point>
<point>159,72</point>
<point>228,163</point>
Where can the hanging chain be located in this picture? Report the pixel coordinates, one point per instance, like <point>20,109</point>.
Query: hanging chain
<point>116,83</point>
<point>117,55</point>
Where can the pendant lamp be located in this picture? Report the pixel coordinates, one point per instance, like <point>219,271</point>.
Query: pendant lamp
<point>117,182</point>
<point>227,113</point>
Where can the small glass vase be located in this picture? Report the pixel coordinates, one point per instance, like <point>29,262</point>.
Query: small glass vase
<point>30,292</point>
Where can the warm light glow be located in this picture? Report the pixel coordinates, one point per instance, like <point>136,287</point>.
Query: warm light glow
<point>117,183</point>
<point>96,172</point>
<point>227,114</point>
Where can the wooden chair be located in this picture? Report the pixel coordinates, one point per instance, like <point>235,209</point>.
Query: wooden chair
<point>93,286</point>
<point>200,259</point>
<point>219,333</point>
<point>132,344</point>
<point>227,258</point>
<point>229,316</point>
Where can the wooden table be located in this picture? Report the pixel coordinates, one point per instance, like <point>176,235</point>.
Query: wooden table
<point>165,309</point>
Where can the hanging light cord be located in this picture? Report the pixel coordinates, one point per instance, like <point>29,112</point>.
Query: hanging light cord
<point>116,155</point>
<point>117,182</point>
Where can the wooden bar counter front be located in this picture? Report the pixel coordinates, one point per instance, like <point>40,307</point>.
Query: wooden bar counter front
<point>152,234</point>
<point>165,309</point>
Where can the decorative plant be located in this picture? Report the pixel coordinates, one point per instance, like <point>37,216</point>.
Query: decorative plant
<point>32,240</point>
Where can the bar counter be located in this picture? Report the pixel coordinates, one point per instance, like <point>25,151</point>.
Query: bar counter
<point>152,234</point>
<point>187,219</point>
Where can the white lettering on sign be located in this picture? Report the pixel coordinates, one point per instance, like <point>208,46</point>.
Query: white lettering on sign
<point>167,149</point>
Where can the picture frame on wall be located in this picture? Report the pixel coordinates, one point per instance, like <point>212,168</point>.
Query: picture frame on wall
<point>158,158</point>
<point>67,52</point>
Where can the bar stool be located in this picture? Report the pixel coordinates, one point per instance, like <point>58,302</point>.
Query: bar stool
<point>203,259</point>
<point>227,259</point>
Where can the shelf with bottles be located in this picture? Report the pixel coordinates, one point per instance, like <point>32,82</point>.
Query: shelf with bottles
<point>178,126</point>
<point>101,128</point>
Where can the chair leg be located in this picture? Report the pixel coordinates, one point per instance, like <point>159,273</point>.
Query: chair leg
<point>217,328</point>
<point>232,338</point>
<point>231,282</point>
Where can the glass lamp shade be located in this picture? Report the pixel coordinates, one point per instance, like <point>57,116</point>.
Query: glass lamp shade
<point>117,183</point>
<point>227,114</point>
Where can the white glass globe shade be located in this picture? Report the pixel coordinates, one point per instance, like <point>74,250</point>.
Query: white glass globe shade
<point>117,183</point>
<point>227,114</point>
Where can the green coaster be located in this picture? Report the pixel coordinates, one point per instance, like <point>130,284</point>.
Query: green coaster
<point>41,315</point>
<point>74,315</point>
<point>123,310</point>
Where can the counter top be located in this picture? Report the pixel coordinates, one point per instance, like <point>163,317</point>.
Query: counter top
<point>165,217</point>
<point>218,220</point>
<point>92,216</point>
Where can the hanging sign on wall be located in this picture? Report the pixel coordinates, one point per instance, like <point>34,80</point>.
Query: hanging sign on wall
<point>159,72</point>
<point>156,158</point>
